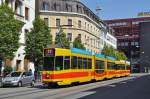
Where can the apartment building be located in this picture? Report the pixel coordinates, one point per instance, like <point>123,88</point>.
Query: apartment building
<point>24,11</point>
<point>75,19</point>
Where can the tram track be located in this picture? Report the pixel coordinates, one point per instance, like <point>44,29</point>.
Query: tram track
<point>41,93</point>
<point>78,89</point>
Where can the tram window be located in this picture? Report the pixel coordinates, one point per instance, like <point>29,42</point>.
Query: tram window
<point>74,64</point>
<point>128,67</point>
<point>89,63</point>
<point>110,66</point>
<point>85,63</point>
<point>66,62</point>
<point>79,63</point>
<point>117,66</point>
<point>122,67</point>
<point>99,64</point>
<point>59,63</point>
<point>48,63</point>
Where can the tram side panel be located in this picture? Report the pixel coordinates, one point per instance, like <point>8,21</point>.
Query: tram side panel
<point>99,68</point>
<point>110,72</point>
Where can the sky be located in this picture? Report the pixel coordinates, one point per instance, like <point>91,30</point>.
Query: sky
<point>117,9</point>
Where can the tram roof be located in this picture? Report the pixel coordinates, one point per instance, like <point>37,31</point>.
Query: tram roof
<point>79,51</point>
<point>110,58</point>
<point>100,55</point>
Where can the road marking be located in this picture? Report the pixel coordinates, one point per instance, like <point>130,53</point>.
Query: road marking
<point>123,82</point>
<point>112,85</point>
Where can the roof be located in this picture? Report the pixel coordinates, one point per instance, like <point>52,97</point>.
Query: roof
<point>100,55</point>
<point>128,19</point>
<point>79,51</point>
<point>110,58</point>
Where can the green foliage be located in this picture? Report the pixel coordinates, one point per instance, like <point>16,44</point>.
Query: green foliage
<point>37,39</point>
<point>8,69</point>
<point>110,51</point>
<point>9,32</point>
<point>121,56</point>
<point>78,43</point>
<point>62,40</point>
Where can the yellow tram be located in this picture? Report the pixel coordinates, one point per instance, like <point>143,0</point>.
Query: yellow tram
<point>68,66</point>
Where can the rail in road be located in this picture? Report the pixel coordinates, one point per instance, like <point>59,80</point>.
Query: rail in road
<point>40,92</point>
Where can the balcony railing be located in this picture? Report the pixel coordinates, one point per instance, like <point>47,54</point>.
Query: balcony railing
<point>19,17</point>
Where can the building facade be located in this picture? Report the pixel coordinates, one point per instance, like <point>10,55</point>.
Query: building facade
<point>127,32</point>
<point>145,46</point>
<point>24,11</point>
<point>75,19</point>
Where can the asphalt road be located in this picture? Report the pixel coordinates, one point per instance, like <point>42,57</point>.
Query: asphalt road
<point>133,87</point>
<point>138,88</point>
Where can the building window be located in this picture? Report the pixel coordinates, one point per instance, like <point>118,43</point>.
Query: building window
<point>26,13</point>
<point>79,35</point>
<point>136,43</point>
<point>79,9</point>
<point>69,8</point>
<point>26,31</point>
<point>70,22</point>
<point>132,43</point>
<point>126,43</point>
<point>58,7</point>
<point>69,36</point>
<point>57,22</point>
<point>79,24</point>
<point>46,21</point>
<point>45,6</point>
<point>85,25</point>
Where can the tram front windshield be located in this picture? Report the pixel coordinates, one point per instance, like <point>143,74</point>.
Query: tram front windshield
<point>53,63</point>
<point>48,63</point>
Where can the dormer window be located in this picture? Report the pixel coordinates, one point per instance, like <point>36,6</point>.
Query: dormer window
<point>45,6</point>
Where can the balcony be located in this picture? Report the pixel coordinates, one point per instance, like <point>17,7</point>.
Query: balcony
<point>19,17</point>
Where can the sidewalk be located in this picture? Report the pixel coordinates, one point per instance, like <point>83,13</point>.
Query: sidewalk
<point>139,74</point>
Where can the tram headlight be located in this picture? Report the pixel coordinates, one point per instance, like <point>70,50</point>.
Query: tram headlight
<point>47,76</point>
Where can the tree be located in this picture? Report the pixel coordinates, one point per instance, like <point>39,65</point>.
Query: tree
<point>62,40</point>
<point>108,51</point>
<point>121,56</point>
<point>9,32</point>
<point>78,43</point>
<point>37,39</point>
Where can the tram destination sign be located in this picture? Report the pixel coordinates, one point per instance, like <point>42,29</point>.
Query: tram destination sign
<point>49,52</point>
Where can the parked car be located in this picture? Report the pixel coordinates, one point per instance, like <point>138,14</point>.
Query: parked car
<point>19,79</point>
